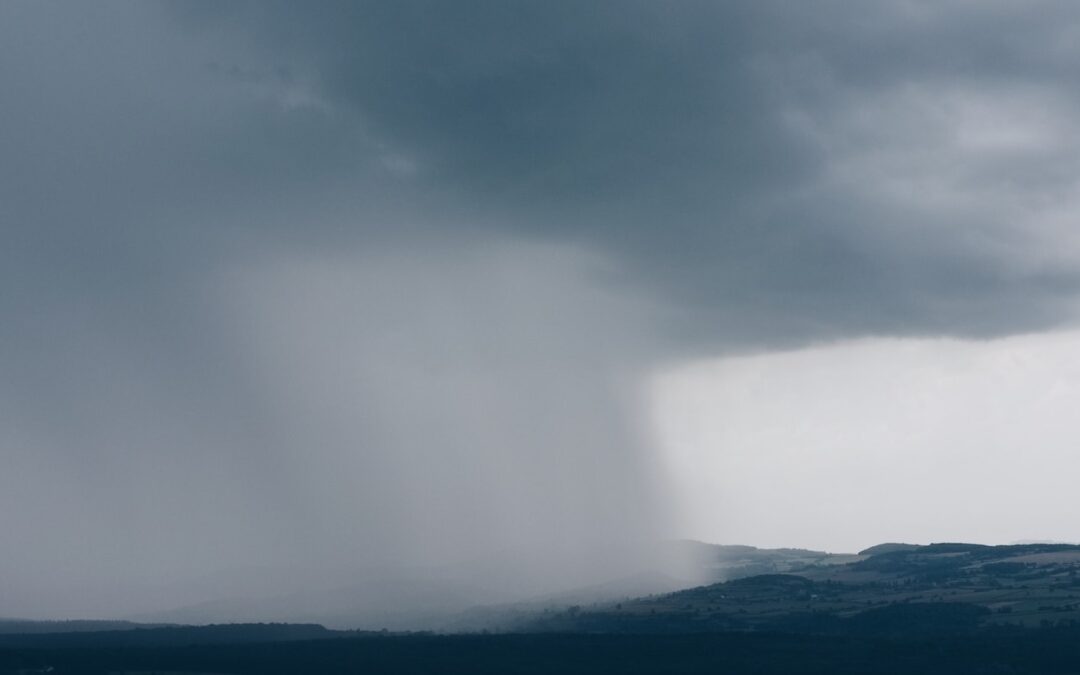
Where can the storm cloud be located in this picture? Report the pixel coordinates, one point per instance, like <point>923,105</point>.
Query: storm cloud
<point>784,173</point>
<point>290,283</point>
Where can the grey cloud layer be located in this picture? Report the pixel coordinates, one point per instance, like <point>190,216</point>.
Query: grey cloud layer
<point>770,173</point>
<point>773,169</point>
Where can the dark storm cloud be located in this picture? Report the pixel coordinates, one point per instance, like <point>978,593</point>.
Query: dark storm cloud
<point>699,142</point>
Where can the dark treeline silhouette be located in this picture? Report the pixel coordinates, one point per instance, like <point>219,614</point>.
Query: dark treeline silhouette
<point>1037,651</point>
<point>236,633</point>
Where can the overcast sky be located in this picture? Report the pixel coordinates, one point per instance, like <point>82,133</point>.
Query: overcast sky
<point>365,284</point>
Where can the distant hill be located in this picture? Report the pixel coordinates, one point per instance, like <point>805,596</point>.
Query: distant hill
<point>888,548</point>
<point>172,636</point>
<point>28,626</point>
<point>893,589</point>
<point>745,588</point>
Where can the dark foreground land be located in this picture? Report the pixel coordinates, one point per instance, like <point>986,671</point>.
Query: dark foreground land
<point>943,608</point>
<point>1038,651</point>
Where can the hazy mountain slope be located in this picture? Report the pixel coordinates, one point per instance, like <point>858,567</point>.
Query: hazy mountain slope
<point>940,587</point>
<point>455,598</point>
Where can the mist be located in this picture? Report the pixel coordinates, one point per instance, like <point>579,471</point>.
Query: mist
<point>407,411</point>
<point>219,392</point>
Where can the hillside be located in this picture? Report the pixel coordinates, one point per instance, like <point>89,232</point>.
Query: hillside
<point>916,589</point>
<point>941,608</point>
